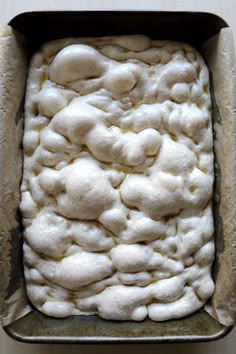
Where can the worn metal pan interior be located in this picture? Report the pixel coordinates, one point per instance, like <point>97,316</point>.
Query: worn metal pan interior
<point>192,27</point>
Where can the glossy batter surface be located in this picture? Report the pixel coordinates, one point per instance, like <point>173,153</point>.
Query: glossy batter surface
<point>117,184</point>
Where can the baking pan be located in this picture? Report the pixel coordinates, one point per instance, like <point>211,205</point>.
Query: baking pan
<point>195,28</point>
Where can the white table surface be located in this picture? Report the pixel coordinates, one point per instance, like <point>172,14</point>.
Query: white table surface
<point>223,8</point>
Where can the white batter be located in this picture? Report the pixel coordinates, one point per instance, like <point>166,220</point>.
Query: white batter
<point>117,184</point>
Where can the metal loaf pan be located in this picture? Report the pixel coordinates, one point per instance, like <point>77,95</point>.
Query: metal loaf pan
<point>197,29</point>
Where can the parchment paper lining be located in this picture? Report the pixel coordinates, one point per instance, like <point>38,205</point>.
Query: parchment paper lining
<point>220,56</point>
<point>13,71</point>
